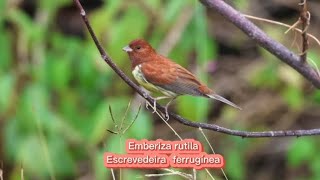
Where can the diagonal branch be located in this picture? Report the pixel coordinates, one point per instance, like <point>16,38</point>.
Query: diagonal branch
<point>255,33</point>
<point>180,119</point>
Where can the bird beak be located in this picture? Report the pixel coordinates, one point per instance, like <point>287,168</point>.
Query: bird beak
<point>127,49</point>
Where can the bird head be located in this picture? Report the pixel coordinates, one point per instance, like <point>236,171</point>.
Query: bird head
<point>139,51</point>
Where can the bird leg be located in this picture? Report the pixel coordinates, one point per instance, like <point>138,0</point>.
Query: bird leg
<point>154,107</point>
<point>148,104</point>
<point>166,108</point>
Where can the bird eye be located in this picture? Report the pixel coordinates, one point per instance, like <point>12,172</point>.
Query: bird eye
<point>138,47</point>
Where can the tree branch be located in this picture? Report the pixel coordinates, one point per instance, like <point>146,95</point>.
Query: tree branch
<point>255,33</point>
<point>305,20</point>
<point>180,119</point>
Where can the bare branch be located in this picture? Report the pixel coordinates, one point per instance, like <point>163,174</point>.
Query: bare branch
<point>305,21</point>
<point>212,127</point>
<point>255,33</point>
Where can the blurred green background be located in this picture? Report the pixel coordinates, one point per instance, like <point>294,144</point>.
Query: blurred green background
<point>55,91</point>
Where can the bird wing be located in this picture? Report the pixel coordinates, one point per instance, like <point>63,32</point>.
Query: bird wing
<point>173,77</point>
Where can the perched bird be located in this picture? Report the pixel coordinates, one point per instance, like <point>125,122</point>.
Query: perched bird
<point>159,74</point>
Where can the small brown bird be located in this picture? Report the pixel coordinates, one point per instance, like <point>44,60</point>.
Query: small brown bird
<point>159,74</point>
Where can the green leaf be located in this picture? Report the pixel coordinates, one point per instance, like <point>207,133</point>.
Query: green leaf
<point>24,22</point>
<point>133,24</point>
<point>7,85</point>
<point>5,50</point>
<point>301,150</point>
<point>131,173</point>
<point>290,76</point>
<point>100,123</point>
<point>193,108</point>
<point>33,107</point>
<point>2,10</point>
<point>315,166</point>
<point>179,53</point>
<point>142,128</point>
<point>242,5</point>
<point>102,18</point>
<point>59,73</point>
<point>32,157</point>
<point>155,4</point>
<point>316,96</point>
<point>172,10</point>
<point>313,59</point>
<point>43,157</point>
<point>235,165</point>
<point>204,45</point>
<point>294,97</point>
<point>265,77</point>
<point>13,138</point>
<point>86,73</point>
<point>61,157</point>
<point>51,6</point>
<point>29,31</point>
<point>116,144</point>
<point>100,171</point>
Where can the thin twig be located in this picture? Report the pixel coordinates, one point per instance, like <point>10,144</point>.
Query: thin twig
<point>281,24</point>
<point>294,26</point>
<point>125,115</point>
<point>294,41</point>
<point>44,146</point>
<point>1,171</point>
<point>188,176</point>
<point>22,173</point>
<point>134,119</point>
<point>194,174</point>
<point>120,129</point>
<point>112,173</point>
<point>111,114</point>
<point>279,50</point>
<point>207,140</point>
<point>114,122</point>
<point>315,65</point>
<point>305,21</point>
<point>166,122</point>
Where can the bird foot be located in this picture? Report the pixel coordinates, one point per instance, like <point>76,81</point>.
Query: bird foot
<point>154,107</point>
<point>166,116</point>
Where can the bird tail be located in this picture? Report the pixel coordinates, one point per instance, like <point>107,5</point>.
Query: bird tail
<point>224,100</point>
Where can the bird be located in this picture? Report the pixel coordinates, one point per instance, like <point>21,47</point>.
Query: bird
<point>157,73</point>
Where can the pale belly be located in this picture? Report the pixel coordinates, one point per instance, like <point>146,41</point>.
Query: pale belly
<point>138,75</point>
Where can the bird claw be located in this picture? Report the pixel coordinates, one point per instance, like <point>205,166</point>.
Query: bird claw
<point>154,107</point>
<point>166,116</point>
